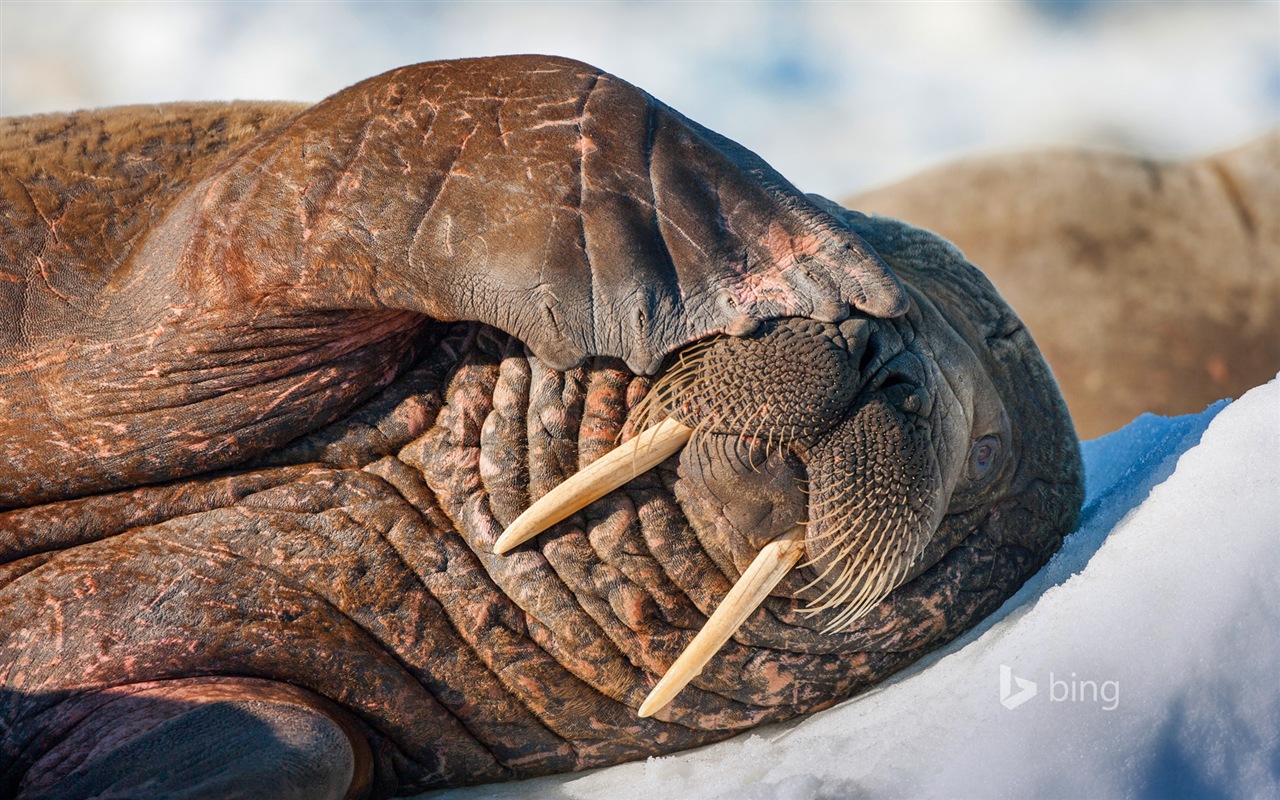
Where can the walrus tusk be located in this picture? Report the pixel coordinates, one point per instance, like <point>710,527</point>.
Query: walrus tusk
<point>646,451</point>
<point>773,562</point>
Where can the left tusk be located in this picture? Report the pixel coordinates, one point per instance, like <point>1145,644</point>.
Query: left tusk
<point>641,454</point>
<point>771,564</point>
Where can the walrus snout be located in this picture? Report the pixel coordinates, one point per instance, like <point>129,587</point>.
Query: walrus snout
<point>847,443</point>
<point>805,438</point>
<point>755,407</point>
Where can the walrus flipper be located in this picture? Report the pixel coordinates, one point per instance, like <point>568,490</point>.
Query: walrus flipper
<point>243,738</point>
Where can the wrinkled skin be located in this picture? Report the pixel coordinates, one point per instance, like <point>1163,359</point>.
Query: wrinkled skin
<point>272,385</point>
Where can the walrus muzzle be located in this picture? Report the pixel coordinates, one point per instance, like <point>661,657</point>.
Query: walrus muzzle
<point>872,479</point>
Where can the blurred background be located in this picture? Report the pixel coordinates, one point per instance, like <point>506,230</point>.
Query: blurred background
<point>839,96</point>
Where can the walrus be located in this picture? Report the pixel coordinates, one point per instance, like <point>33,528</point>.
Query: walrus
<point>289,399</point>
<point>1153,286</point>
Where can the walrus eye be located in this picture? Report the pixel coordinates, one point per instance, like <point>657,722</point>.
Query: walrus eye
<point>983,457</point>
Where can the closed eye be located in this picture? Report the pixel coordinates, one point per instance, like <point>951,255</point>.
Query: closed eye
<point>984,456</point>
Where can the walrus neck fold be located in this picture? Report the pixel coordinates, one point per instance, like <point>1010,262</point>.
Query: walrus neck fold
<point>181,400</point>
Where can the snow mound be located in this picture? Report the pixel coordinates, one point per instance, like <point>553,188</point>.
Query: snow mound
<point>1141,661</point>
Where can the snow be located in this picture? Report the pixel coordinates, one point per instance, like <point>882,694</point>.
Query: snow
<point>1152,638</point>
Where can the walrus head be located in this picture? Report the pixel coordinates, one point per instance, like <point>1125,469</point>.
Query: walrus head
<point>904,466</point>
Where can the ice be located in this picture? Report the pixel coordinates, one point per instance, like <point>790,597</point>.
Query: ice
<point>1152,638</point>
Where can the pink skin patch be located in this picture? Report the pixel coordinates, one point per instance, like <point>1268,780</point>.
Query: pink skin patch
<point>785,248</point>
<point>772,286</point>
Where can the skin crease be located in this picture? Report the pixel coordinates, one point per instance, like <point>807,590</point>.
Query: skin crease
<point>273,380</point>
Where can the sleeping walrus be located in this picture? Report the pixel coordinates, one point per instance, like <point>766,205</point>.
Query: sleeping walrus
<point>279,387</point>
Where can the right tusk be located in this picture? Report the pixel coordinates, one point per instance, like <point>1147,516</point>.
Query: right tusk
<point>771,564</point>
<point>641,454</point>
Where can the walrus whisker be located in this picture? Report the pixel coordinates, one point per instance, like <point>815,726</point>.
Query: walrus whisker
<point>886,579</point>
<point>761,418</point>
<point>648,449</point>
<point>845,507</point>
<point>770,566</point>
<point>871,566</point>
<point>700,432</point>
<point>867,546</point>
<point>845,568</point>
<point>854,571</point>
<point>686,377</point>
<point>864,589</point>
